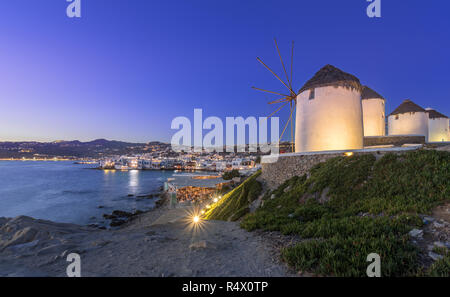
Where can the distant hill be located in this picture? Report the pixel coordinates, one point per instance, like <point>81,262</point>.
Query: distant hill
<point>75,148</point>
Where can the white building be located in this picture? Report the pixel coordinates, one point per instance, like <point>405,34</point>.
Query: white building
<point>121,163</point>
<point>146,164</point>
<point>373,107</point>
<point>408,119</point>
<point>236,163</point>
<point>221,165</point>
<point>329,112</point>
<point>438,126</point>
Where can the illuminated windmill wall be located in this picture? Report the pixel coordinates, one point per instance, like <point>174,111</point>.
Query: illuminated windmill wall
<point>329,112</point>
<point>373,106</point>
<point>438,126</point>
<point>408,119</point>
<point>328,109</point>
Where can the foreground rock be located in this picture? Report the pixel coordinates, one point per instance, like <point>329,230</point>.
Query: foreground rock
<point>30,247</point>
<point>119,217</point>
<point>434,235</point>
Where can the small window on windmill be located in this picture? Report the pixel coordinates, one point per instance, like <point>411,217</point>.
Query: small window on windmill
<point>396,116</point>
<point>312,94</point>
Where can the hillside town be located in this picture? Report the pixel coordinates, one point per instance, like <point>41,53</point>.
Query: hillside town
<point>130,156</point>
<point>183,161</point>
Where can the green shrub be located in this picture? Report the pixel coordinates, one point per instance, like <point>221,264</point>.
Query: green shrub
<point>339,256</point>
<point>240,213</point>
<point>440,268</point>
<point>440,250</point>
<point>235,203</point>
<point>231,174</point>
<point>369,207</point>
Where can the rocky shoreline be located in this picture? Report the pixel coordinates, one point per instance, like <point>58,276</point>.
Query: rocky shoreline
<point>160,242</point>
<point>119,217</point>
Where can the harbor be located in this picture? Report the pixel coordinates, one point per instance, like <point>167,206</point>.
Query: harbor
<point>182,162</point>
<point>195,189</point>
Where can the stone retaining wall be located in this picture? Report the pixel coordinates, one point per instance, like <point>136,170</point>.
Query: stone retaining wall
<point>290,165</point>
<point>274,174</point>
<point>396,140</point>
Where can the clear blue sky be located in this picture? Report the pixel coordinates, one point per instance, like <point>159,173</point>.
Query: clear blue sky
<point>128,67</point>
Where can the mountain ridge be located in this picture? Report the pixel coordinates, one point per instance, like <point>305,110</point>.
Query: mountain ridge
<point>74,148</point>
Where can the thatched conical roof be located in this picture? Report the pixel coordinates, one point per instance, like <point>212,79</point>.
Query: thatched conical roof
<point>433,114</point>
<point>407,106</point>
<point>368,93</point>
<point>332,76</point>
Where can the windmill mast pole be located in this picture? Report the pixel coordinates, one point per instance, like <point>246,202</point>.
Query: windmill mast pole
<point>293,107</point>
<point>291,98</point>
<point>295,102</point>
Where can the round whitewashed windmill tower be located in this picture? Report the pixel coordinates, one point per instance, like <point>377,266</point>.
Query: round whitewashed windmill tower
<point>329,112</point>
<point>408,119</point>
<point>438,126</point>
<point>373,107</point>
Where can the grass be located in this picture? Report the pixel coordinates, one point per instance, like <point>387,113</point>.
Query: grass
<point>231,174</point>
<point>440,268</point>
<point>235,203</point>
<point>350,207</point>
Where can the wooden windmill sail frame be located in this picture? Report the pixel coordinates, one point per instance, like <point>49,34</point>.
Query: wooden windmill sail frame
<point>285,98</point>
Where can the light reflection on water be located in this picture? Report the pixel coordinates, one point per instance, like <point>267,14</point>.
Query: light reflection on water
<point>65,192</point>
<point>134,181</point>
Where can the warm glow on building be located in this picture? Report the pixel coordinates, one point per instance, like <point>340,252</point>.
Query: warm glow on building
<point>408,119</point>
<point>438,126</point>
<point>373,107</point>
<point>329,113</point>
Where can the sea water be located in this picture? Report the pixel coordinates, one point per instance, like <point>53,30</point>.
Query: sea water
<point>71,193</point>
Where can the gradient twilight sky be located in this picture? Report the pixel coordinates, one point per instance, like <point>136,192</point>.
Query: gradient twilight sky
<point>128,67</point>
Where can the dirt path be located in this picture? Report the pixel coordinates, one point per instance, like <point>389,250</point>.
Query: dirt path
<point>174,248</point>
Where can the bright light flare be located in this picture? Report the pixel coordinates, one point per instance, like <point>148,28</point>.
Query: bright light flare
<point>215,200</point>
<point>194,221</point>
<point>348,154</point>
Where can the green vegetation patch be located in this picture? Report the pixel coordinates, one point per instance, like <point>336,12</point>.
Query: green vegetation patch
<point>440,268</point>
<point>231,174</point>
<point>235,203</point>
<point>350,207</point>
